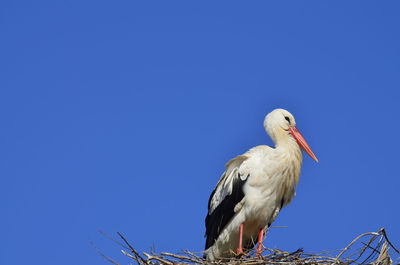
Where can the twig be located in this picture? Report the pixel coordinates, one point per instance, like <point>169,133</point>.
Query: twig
<point>383,231</point>
<point>107,258</point>
<point>362,251</point>
<point>179,257</point>
<point>137,255</point>
<point>150,257</point>
<point>116,241</point>
<point>374,249</point>
<point>357,238</point>
<point>127,254</point>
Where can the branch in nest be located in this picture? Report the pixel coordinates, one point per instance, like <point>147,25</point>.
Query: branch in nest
<point>271,256</point>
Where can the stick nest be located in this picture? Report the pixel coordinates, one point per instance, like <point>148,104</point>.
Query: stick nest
<point>369,248</point>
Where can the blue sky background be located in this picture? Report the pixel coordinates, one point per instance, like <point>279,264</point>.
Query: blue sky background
<point>120,116</point>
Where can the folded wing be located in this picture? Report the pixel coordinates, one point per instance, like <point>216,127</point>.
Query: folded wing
<point>226,196</point>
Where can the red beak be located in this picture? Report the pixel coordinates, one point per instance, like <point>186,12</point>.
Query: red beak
<point>302,142</point>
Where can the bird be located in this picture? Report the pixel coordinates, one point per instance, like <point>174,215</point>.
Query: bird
<point>254,188</point>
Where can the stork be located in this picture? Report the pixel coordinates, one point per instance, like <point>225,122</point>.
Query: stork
<point>254,188</point>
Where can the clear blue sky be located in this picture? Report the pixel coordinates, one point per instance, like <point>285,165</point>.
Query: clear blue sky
<point>120,116</point>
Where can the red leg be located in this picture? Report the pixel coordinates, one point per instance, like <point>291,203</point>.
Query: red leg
<point>260,239</point>
<point>240,247</point>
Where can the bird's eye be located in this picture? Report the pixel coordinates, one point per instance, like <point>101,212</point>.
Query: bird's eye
<point>288,120</point>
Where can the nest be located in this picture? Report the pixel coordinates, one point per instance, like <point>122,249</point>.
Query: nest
<point>369,248</point>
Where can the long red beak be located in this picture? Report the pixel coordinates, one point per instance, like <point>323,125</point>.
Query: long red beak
<point>302,142</point>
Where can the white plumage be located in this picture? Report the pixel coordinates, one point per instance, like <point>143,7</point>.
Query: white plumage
<point>254,188</point>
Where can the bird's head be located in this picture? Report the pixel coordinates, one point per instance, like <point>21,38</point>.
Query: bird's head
<point>281,127</point>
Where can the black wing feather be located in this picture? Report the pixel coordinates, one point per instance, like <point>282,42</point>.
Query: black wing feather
<point>223,213</point>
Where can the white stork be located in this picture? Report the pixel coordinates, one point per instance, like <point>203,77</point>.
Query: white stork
<point>254,188</point>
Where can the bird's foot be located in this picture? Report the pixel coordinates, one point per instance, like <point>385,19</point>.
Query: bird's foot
<point>259,251</point>
<point>239,253</point>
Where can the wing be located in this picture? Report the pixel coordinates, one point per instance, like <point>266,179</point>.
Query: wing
<point>223,200</point>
